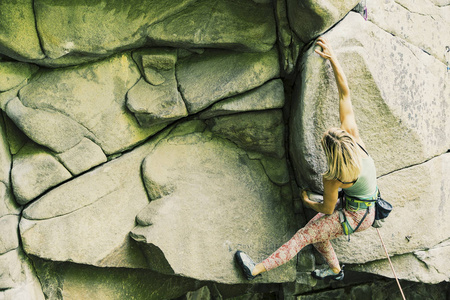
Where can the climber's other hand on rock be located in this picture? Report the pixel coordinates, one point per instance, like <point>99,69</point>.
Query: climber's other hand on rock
<point>326,52</point>
<point>305,198</point>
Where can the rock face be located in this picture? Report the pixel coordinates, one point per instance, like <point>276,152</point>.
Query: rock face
<point>156,100</point>
<point>229,24</point>
<point>98,28</point>
<point>420,127</point>
<point>310,18</point>
<point>34,171</point>
<point>17,275</point>
<point>143,142</point>
<point>87,220</point>
<point>19,38</point>
<point>188,177</point>
<point>215,75</point>
<point>421,24</point>
<point>84,102</point>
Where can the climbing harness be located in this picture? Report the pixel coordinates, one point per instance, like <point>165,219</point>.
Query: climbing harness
<point>354,204</point>
<point>382,210</point>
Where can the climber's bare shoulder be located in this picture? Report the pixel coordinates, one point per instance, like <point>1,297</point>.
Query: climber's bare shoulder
<point>352,129</point>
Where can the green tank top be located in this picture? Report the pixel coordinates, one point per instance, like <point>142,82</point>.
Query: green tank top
<point>365,186</point>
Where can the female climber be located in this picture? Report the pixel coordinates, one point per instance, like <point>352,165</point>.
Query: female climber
<point>351,169</point>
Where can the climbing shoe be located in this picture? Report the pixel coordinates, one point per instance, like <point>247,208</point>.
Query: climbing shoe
<point>328,273</point>
<point>246,263</point>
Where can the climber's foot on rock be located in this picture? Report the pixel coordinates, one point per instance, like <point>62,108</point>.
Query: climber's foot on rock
<point>246,263</point>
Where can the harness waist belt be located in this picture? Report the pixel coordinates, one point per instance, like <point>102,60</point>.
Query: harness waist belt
<point>355,204</point>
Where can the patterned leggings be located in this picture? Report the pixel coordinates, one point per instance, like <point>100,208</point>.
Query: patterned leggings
<point>319,231</point>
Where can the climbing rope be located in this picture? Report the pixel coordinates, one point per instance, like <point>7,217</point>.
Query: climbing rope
<point>392,267</point>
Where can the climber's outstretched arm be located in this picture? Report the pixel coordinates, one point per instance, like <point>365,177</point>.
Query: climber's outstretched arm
<point>346,114</point>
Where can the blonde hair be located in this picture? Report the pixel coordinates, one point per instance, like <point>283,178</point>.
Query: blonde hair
<point>343,156</point>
